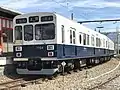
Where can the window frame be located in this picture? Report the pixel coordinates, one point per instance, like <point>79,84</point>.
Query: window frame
<point>15,33</point>
<point>72,35</point>
<point>42,32</point>
<point>63,33</point>
<point>84,39</point>
<point>29,33</point>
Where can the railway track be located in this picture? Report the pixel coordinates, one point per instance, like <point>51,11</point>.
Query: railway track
<point>101,84</point>
<point>107,81</point>
<point>21,82</point>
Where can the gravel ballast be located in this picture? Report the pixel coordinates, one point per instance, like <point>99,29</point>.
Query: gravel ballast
<point>81,80</point>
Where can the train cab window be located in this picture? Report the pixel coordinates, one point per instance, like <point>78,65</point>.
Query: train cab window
<point>84,39</point>
<point>62,28</point>
<point>18,33</point>
<point>44,31</point>
<point>28,32</point>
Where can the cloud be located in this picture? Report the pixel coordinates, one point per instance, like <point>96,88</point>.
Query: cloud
<point>21,4</point>
<point>82,9</point>
<point>70,4</point>
<point>95,4</point>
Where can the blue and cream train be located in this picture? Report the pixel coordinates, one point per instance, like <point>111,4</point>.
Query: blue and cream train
<point>43,40</point>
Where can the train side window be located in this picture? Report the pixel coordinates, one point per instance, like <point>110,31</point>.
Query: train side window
<point>80,38</point>
<point>92,40</point>
<point>106,44</point>
<point>97,42</point>
<point>62,28</point>
<point>100,42</point>
<point>103,42</point>
<point>84,39</point>
<point>74,37</point>
<point>70,36</point>
<point>87,39</point>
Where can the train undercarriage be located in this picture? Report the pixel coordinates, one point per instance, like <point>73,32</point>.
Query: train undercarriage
<point>35,66</point>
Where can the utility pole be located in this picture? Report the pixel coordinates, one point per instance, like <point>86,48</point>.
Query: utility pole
<point>117,32</point>
<point>71,16</point>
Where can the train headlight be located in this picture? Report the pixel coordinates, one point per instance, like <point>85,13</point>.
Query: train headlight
<point>18,54</point>
<point>50,47</point>
<point>50,54</point>
<point>18,48</point>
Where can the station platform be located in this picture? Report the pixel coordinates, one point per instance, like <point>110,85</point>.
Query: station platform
<point>5,60</point>
<point>6,66</point>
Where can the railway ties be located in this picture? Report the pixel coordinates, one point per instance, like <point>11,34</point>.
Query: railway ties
<point>21,82</point>
<point>102,84</point>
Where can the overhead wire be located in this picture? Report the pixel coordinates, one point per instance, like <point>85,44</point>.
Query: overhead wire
<point>67,7</point>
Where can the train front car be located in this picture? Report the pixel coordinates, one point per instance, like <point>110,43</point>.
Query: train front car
<point>42,41</point>
<point>35,43</point>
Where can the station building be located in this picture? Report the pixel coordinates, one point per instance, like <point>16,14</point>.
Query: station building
<point>6,30</point>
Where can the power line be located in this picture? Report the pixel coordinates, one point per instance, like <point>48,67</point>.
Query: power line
<point>67,7</point>
<point>60,4</point>
<point>107,20</point>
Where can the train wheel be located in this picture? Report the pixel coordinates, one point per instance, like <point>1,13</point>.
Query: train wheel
<point>77,65</point>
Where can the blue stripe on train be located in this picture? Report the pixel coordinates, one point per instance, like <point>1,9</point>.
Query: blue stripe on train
<point>70,51</point>
<point>61,51</point>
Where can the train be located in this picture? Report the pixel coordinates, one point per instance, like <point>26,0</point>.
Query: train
<point>44,42</point>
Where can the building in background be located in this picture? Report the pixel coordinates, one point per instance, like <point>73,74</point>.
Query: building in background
<point>6,30</point>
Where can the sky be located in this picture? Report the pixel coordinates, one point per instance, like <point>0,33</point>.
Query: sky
<point>82,10</point>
